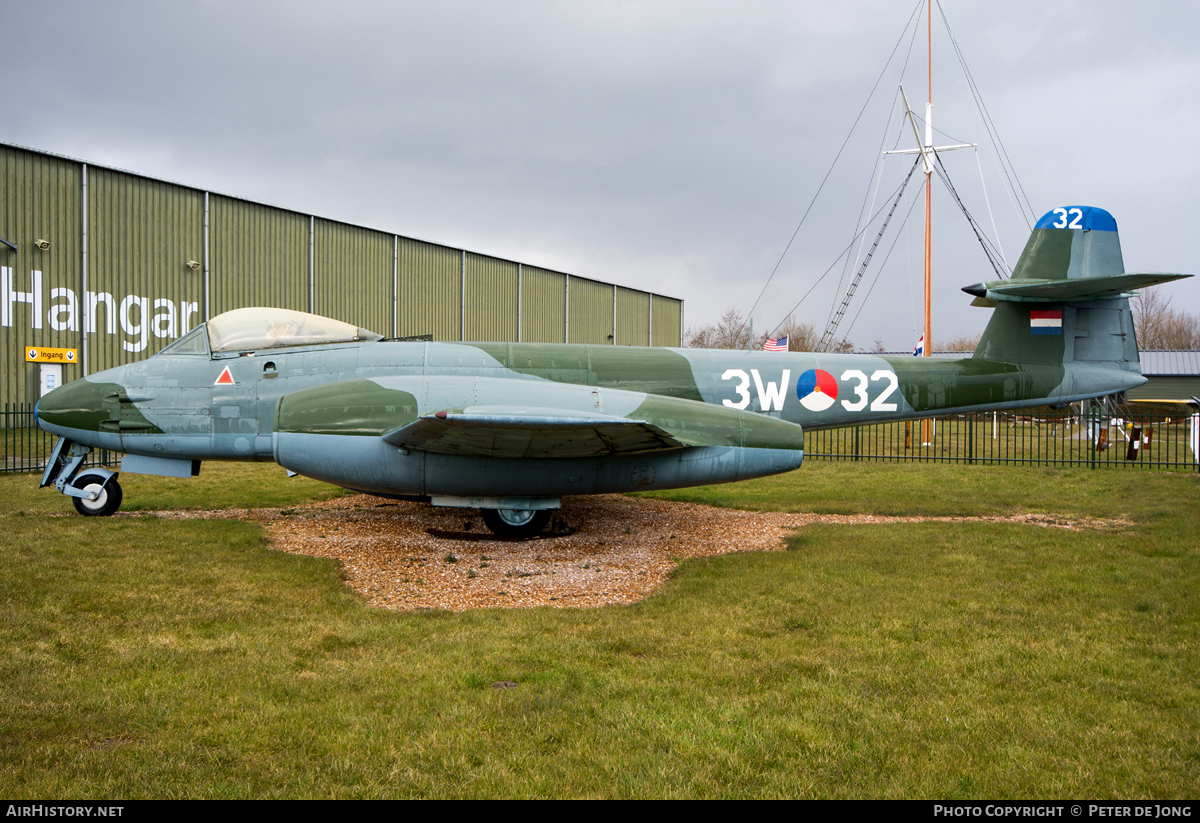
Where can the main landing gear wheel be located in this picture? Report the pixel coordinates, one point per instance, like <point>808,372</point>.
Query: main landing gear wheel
<point>518,523</point>
<point>108,498</point>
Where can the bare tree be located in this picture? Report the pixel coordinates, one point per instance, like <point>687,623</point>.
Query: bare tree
<point>967,342</point>
<point>805,337</point>
<point>730,332</point>
<point>801,336</point>
<point>1160,326</point>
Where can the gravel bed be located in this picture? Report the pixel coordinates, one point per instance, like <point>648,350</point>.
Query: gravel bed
<point>619,549</point>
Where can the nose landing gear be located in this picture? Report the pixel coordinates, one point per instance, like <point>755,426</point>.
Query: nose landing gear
<point>95,492</point>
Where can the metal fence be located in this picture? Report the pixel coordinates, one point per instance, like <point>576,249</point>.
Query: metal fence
<point>1095,436</point>
<point>27,448</point>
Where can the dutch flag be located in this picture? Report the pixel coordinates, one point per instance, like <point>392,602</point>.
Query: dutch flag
<point>919,349</point>
<point>1045,322</point>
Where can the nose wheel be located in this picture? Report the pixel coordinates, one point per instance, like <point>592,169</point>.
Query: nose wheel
<point>107,495</point>
<point>95,491</point>
<point>516,523</point>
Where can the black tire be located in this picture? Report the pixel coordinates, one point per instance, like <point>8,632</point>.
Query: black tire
<point>516,523</point>
<point>104,505</point>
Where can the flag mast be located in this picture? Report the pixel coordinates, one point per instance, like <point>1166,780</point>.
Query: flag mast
<point>926,434</point>
<point>928,153</point>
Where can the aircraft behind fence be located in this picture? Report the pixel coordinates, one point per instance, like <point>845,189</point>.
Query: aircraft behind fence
<point>512,428</point>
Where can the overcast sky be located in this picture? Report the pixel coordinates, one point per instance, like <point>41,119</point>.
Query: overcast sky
<point>669,146</point>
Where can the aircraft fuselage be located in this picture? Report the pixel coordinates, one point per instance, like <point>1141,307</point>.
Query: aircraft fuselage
<point>323,410</point>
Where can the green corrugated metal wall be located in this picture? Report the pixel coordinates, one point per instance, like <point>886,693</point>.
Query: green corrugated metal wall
<point>141,236</point>
<point>543,306</point>
<point>352,275</point>
<point>1166,387</point>
<point>491,298</point>
<point>151,245</point>
<point>667,328</point>
<point>591,311</point>
<point>40,201</point>
<point>430,290</point>
<point>633,317</point>
<point>258,256</point>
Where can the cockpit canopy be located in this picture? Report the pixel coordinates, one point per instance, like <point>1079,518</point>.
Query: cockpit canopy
<point>267,328</point>
<point>264,328</point>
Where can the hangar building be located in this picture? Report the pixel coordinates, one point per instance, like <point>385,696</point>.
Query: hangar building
<point>115,265</point>
<point>1170,375</point>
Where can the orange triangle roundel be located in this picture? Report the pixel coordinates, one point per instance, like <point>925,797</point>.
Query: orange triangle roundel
<point>226,379</point>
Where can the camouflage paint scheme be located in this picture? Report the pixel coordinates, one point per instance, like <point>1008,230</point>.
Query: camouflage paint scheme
<point>522,424</point>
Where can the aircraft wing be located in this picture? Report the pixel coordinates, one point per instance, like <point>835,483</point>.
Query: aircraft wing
<point>516,432</point>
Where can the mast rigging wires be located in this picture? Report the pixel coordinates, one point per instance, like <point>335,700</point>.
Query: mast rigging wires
<point>831,327</point>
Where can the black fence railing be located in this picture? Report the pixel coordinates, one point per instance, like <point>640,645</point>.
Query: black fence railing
<point>1095,436</point>
<point>1166,437</point>
<point>26,447</point>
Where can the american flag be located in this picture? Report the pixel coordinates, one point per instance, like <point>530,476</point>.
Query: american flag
<point>775,344</point>
<point>919,349</point>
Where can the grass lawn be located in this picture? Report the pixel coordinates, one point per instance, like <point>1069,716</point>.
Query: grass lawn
<point>145,657</point>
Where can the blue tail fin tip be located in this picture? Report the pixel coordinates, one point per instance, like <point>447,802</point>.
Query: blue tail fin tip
<point>1077,218</point>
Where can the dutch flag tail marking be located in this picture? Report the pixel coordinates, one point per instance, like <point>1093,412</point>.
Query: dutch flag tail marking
<point>1045,322</point>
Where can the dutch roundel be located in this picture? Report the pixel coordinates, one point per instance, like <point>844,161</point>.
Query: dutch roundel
<point>816,389</point>
<point>226,379</point>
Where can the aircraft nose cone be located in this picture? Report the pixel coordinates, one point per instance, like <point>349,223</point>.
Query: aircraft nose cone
<point>77,405</point>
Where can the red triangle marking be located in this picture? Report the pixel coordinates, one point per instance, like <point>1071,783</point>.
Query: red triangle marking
<point>226,379</point>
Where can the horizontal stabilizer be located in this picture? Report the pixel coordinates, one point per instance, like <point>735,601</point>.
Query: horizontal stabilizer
<point>515,432</point>
<point>1061,291</point>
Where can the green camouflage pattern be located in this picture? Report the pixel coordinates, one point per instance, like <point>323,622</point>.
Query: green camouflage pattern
<point>506,420</point>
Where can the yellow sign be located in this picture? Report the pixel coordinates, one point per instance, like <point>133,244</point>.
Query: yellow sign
<point>41,354</point>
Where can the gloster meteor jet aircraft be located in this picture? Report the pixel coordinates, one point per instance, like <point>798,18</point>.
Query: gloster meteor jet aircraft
<point>511,428</point>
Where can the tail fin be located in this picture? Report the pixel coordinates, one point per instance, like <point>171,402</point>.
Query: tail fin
<point>1068,299</point>
<point>1070,243</point>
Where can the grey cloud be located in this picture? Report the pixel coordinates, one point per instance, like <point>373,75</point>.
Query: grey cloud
<point>668,145</point>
